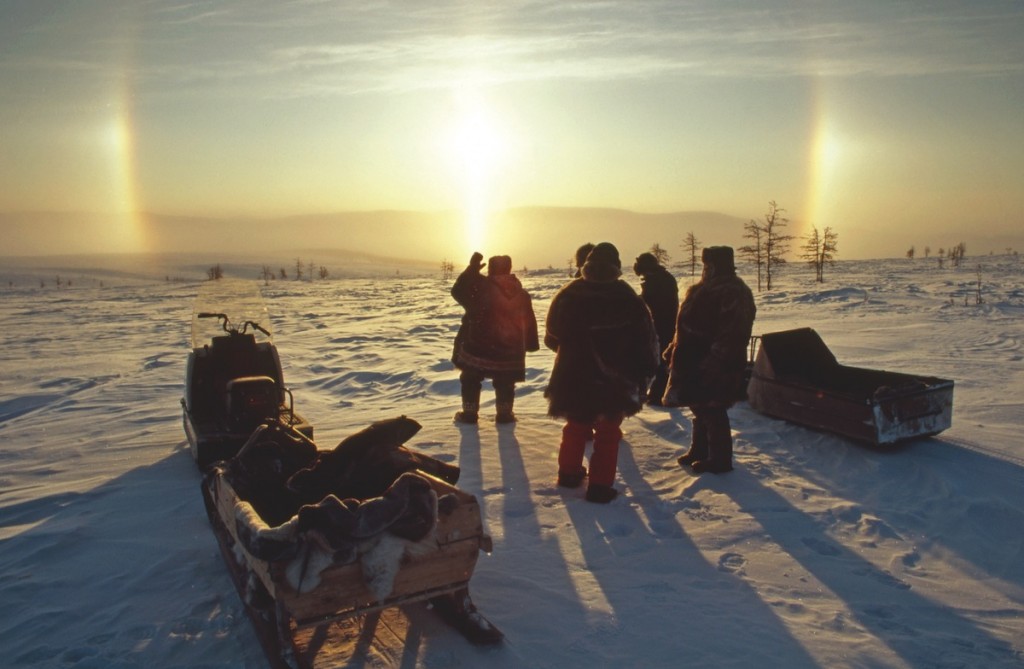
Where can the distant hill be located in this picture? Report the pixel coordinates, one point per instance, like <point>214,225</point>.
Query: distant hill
<point>533,236</point>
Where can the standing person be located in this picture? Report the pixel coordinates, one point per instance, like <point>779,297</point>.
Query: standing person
<point>605,353</point>
<point>708,357</point>
<point>660,292</point>
<point>581,257</point>
<point>497,330</point>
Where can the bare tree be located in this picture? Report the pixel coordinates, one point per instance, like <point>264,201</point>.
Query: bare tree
<point>819,250</point>
<point>214,273</point>
<point>447,269</point>
<point>660,254</point>
<point>691,247</point>
<point>957,254</point>
<point>298,269</point>
<point>283,273</point>
<point>776,244</point>
<point>754,252</point>
<point>310,269</point>
<point>910,253</point>
<point>266,274</point>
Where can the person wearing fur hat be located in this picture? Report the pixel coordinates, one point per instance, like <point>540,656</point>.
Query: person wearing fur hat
<point>497,330</point>
<point>660,292</point>
<point>708,356</point>
<point>581,257</point>
<point>605,355</point>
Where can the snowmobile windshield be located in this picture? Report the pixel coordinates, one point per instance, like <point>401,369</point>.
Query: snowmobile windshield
<point>229,305</point>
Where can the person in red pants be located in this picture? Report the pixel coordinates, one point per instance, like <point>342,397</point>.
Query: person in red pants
<point>606,352</point>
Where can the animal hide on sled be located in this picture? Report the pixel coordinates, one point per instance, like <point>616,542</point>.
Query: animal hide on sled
<point>364,464</point>
<point>378,532</point>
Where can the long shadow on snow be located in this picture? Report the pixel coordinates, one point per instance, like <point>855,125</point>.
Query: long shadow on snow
<point>976,501</point>
<point>612,536</point>
<point>137,573</point>
<point>514,598</point>
<point>920,630</point>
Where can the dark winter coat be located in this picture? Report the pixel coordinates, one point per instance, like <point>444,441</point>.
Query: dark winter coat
<point>660,292</point>
<point>499,325</point>
<point>605,347</point>
<point>708,356</point>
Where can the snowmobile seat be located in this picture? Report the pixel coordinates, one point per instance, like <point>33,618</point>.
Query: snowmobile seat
<point>252,400</point>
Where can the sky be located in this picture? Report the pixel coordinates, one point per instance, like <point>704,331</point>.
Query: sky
<point>891,123</point>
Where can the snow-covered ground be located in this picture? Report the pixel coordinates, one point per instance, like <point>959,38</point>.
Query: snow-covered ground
<point>815,552</point>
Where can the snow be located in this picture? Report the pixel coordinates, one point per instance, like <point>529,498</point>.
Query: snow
<point>815,552</point>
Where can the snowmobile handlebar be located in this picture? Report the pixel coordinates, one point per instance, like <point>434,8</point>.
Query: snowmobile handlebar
<point>225,323</point>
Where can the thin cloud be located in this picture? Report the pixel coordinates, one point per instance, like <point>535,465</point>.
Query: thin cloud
<point>312,47</point>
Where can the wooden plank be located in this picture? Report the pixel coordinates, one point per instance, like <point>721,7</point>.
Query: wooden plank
<point>374,640</point>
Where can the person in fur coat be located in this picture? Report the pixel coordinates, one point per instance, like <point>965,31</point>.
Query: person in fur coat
<point>660,292</point>
<point>708,357</point>
<point>497,330</point>
<point>605,354</point>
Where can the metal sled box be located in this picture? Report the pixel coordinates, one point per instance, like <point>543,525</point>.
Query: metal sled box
<point>797,378</point>
<point>443,566</point>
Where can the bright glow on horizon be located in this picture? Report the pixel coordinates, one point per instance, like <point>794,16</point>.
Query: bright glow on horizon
<point>826,155</point>
<point>480,149</point>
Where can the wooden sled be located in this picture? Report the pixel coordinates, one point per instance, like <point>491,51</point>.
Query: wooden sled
<point>340,620</point>
<point>797,378</point>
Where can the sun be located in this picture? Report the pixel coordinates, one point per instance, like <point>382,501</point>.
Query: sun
<point>479,148</point>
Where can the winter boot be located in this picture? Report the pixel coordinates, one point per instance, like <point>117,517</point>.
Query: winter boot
<point>698,444</point>
<point>601,494</point>
<point>572,479</point>
<point>719,435</point>
<point>470,398</point>
<point>504,398</point>
<point>504,413</point>
<point>470,413</point>
<point>701,466</point>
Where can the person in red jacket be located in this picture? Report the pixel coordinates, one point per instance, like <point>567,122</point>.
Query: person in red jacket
<point>498,328</point>
<point>708,357</point>
<point>606,352</point>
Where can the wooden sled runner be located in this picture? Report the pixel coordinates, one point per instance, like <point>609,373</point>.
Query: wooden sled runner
<point>797,378</point>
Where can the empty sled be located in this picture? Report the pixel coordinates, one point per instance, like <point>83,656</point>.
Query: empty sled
<point>797,378</point>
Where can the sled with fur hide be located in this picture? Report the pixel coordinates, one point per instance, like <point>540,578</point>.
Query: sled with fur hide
<point>315,601</point>
<point>795,376</point>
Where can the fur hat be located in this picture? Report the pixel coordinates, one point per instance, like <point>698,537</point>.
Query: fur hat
<point>605,253</point>
<point>582,252</point>
<point>645,262</point>
<point>499,265</point>
<point>719,256</point>
<point>603,263</point>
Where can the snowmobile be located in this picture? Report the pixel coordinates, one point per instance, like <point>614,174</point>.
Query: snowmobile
<point>233,383</point>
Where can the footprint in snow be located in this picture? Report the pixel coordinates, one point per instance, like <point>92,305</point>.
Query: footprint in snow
<point>732,563</point>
